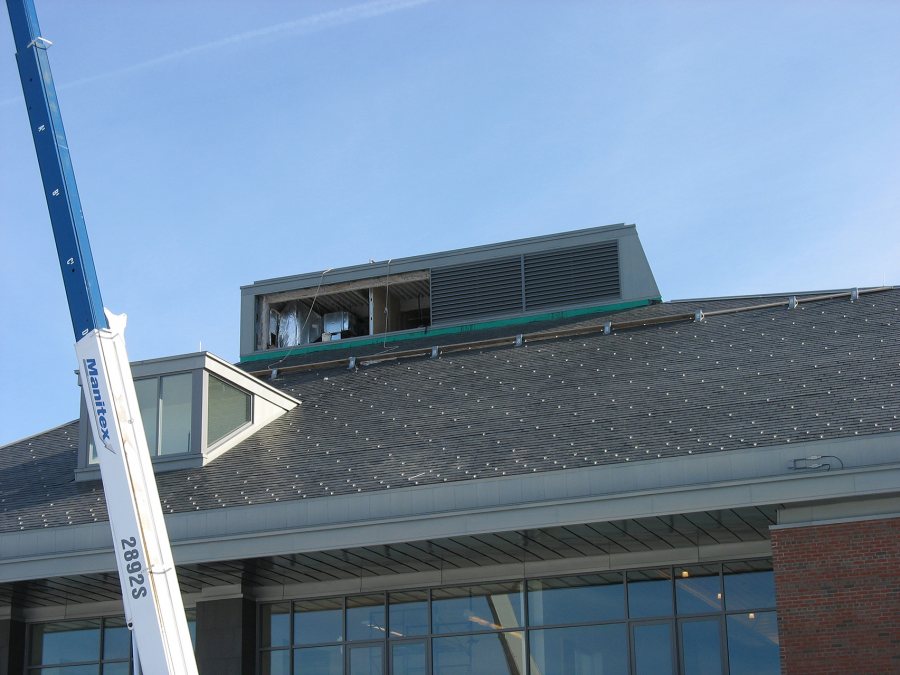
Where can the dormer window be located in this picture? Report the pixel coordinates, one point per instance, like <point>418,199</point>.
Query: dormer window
<point>229,409</point>
<point>194,408</point>
<point>166,411</point>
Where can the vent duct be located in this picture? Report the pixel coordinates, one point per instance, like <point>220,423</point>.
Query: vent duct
<point>476,289</point>
<point>572,276</point>
<point>561,278</point>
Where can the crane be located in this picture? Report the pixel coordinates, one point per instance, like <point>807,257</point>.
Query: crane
<point>153,606</point>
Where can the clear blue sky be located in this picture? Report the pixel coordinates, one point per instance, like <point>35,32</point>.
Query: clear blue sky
<point>756,145</point>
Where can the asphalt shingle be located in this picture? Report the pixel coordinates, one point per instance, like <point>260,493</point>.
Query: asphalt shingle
<point>827,369</point>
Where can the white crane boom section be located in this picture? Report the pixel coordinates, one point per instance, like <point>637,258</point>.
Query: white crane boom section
<point>153,605</point>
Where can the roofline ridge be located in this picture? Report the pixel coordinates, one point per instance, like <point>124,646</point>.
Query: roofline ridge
<point>862,289</point>
<point>39,433</point>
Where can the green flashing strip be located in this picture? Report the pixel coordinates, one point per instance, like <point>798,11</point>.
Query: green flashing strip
<point>449,330</point>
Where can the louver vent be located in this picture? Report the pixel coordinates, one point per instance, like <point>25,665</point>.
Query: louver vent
<point>476,289</point>
<point>572,275</point>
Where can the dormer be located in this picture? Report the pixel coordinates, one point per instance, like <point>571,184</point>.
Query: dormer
<point>554,276</point>
<point>195,407</point>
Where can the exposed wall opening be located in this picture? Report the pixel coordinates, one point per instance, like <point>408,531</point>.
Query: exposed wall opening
<point>339,311</point>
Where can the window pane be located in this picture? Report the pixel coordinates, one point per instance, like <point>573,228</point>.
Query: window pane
<point>121,668</point>
<point>317,621</point>
<point>484,607</point>
<point>749,590</point>
<point>365,617</point>
<point>116,639</point>
<point>175,413</point>
<point>653,649</point>
<point>367,660</point>
<point>408,613</point>
<point>191,616</point>
<point>649,593</point>
<point>276,663</point>
<point>275,630</point>
<point>65,642</point>
<point>591,597</point>
<point>585,650</point>
<point>319,661</point>
<point>148,402</point>
<point>753,644</point>
<point>408,658</point>
<point>228,409</point>
<point>697,589</point>
<point>701,647</point>
<point>93,669</point>
<point>485,654</point>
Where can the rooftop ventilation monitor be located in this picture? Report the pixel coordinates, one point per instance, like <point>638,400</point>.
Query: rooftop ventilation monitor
<point>582,270</point>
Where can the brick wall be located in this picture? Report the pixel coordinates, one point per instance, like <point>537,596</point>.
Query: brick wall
<point>838,593</point>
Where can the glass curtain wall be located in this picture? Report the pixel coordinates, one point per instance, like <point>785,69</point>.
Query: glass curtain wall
<point>97,646</point>
<point>704,619</point>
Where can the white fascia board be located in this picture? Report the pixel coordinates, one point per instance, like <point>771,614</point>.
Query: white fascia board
<point>249,383</point>
<point>737,479</point>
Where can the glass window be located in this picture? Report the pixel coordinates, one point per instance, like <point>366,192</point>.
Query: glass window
<point>319,661</point>
<point>175,393</point>
<point>701,647</point>
<point>472,608</point>
<point>191,616</point>
<point>275,629</point>
<point>92,449</point>
<point>227,410</point>
<point>485,654</point>
<point>582,650</point>
<point>408,658</point>
<point>116,639</point>
<point>148,402</point>
<point>753,644</point>
<point>653,649</point>
<point>649,593</point>
<point>749,589</point>
<point>365,617</point>
<point>55,648</point>
<point>697,589</point>
<point>408,613</point>
<point>276,663</point>
<point>367,660</point>
<point>640,622</point>
<point>165,404</point>
<point>581,599</point>
<point>65,642</point>
<point>317,621</point>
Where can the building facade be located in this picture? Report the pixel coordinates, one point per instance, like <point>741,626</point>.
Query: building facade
<point>507,460</point>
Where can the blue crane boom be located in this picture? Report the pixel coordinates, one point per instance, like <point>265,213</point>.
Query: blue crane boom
<point>66,217</point>
<point>150,594</point>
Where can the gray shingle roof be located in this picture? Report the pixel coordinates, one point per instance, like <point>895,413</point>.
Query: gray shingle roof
<point>825,370</point>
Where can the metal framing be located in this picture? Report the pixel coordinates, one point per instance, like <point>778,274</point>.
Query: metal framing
<point>674,620</point>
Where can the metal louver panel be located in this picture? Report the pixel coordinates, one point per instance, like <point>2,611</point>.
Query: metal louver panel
<point>477,289</point>
<point>572,275</point>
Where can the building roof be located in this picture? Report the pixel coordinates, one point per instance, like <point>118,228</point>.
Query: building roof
<point>766,376</point>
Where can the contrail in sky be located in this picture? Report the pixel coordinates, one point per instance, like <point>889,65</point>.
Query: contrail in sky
<point>306,25</point>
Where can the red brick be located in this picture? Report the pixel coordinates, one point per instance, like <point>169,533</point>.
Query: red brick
<point>838,593</point>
